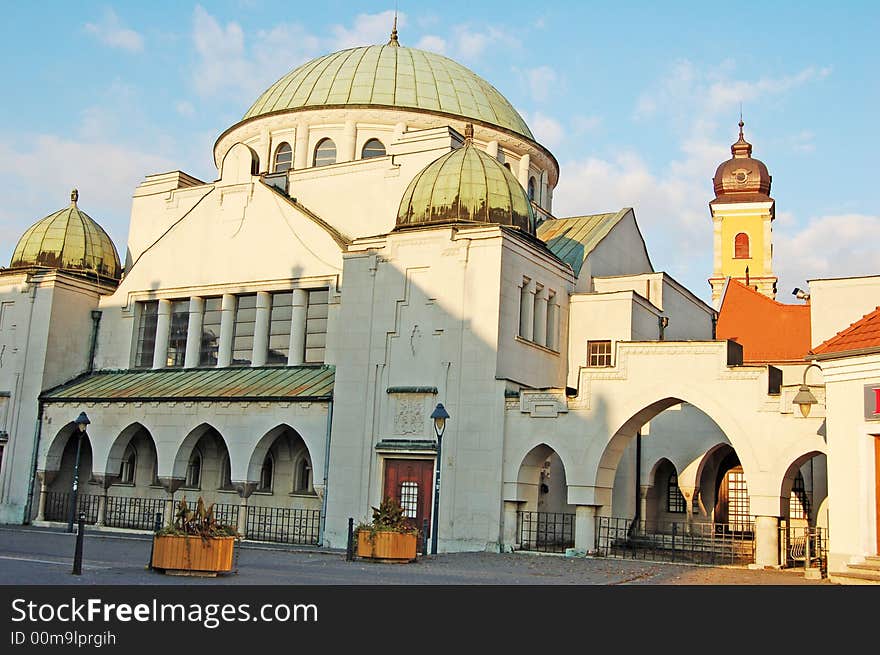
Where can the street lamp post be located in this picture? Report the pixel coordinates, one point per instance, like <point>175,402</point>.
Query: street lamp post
<point>439,415</point>
<point>804,397</point>
<point>81,422</point>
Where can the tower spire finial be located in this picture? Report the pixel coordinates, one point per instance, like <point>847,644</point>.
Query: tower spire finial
<point>74,196</point>
<point>741,124</point>
<point>393,40</point>
<point>469,133</point>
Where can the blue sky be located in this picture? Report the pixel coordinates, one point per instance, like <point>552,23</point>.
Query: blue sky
<point>638,101</point>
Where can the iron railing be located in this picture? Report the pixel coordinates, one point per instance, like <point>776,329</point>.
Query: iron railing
<point>58,506</point>
<point>670,541</point>
<point>803,546</point>
<point>133,513</point>
<point>283,525</point>
<point>546,532</point>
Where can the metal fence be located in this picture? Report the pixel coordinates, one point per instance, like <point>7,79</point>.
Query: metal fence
<point>546,532</point>
<point>669,541</point>
<point>58,507</point>
<point>134,513</point>
<point>283,525</point>
<point>803,546</point>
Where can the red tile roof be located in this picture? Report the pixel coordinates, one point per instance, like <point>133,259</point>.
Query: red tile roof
<point>768,331</point>
<point>864,334</point>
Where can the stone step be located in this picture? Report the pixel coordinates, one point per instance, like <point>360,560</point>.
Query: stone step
<point>866,566</point>
<point>854,576</point>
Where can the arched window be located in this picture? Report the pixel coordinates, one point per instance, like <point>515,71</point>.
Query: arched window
<point>373,148</point>
<point>226,477</point>
<point>798,503</point>
<point>304,476</point>
<point>325,153</point>
<point>507,165</point>
<point>266,473</point>
<point>194,470</point>
<point>675,503</point>
<point>532,189</point>
<point>283,158</point>
<point>741,246</point>
<point>129,465</point>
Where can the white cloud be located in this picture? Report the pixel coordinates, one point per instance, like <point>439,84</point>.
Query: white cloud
<point>836,245</point>
<point>111,32</point>
<point>432,43</point>
<point>185,108</point>
<point>469,43</point>
<point>547,130</point>
<point>542,81</point>
<point>584,124</point>
<point>367,29</point>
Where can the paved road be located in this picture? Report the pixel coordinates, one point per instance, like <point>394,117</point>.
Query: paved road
<point>31,556</point>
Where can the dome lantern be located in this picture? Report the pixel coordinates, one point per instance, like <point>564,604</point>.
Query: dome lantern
<point>68,240</point>
<point>742,178</point>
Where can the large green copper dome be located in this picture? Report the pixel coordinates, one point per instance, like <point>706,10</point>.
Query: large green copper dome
<point>391,76</point>
<point>466,186</point>
<point>71,241</point>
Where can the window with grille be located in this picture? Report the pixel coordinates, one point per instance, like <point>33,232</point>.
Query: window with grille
<point>316,326</point>
<point>210,344</point>
<point>243,333</point>
<point>373,148</point>
<point>146,336</point>
<point>675,502</point>
<point>279,329</point>
<point>129,464</point>
<point>798,503</point>
<point>176,352</point>
<point>325,153</point>
<point>194,471</point>
<point>738,516</point>
<point>283,158</point>
<point>409,499</point>
<point>598,353</point>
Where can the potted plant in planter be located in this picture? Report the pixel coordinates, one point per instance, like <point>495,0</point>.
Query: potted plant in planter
<point>389,536</point>
<point>195,543</point>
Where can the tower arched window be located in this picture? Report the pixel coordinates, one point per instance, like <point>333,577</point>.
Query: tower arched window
<point>532,189</point>
<point>129,465</point>
<point>283,158</point>
<point>741,246</point>
<point>325,153</point>
<point>373,148</point>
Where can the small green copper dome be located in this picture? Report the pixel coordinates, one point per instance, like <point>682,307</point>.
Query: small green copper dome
<point>68,240</point>
<point>391,76</point>
<point>466,186</point>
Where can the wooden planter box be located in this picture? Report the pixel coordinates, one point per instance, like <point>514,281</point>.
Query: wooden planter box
<point>388,546</point>
<point>185,555</point>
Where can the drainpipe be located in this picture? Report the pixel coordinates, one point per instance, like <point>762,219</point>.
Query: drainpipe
<point>38,428</point>
<point>633,528</point>
<point>326,475</point>
<point>96,321</point>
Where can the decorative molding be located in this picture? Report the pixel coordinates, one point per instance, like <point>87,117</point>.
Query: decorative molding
<point>543,404</point>
<point>410,416</point>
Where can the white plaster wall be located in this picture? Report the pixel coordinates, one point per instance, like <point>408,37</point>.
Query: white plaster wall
<point>837,303</point>
<point>621,252</point>
<point>597,317</point>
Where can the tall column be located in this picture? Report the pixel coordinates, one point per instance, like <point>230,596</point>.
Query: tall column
<point>163,327</point>
<point>194,332</point>
<point>585,528</point>
<point>542,200</point>
<point>523,176</point>
<point>527,310</point>
<point>492,149</point>
<point>540,329</point>
<point>41,512</point>
<point>552,323</point>
<point>766,542</point>
<point>297,352</point>
<point>349,142</point>
<point>261,329</point>
<point>509,536</point>
<point>301,147</point>
<point>227,326</point>
<point>643,502</point>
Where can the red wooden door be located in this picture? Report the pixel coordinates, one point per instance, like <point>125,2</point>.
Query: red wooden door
<point>409,482</point>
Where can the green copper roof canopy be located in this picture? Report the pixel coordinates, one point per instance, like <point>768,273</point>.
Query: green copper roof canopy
<point>68,240</point>
<point>466,186</point>
<point>391,75</point>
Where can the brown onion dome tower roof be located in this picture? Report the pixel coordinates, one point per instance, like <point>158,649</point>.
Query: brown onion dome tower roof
<point>71,241</point>
<point>742,178</point>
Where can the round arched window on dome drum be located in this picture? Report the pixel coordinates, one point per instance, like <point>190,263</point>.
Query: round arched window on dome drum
<point>283,158</point>
<point>325,153</point>
<point>741,246</point>
<point>373,148</point>
<point>531,189</point>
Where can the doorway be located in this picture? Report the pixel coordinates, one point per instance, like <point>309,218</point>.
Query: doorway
<point>409,482</point>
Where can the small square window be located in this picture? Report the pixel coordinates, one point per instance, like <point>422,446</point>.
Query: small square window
<point>598,353</point>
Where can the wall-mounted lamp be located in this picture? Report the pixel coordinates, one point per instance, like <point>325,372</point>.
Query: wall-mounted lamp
<point>804,398</point>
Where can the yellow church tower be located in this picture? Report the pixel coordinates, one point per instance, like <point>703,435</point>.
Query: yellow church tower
<point>742,217</point>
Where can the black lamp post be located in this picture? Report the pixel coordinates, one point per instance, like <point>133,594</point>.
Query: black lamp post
<point>81,422</point>
<point>439,415</point>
